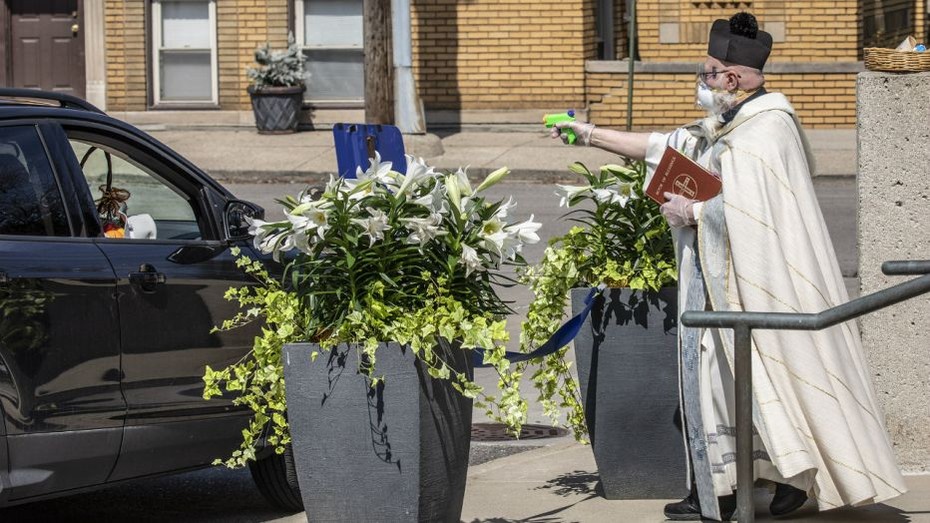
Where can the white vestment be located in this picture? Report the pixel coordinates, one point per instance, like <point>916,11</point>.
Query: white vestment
<point>764,247</point>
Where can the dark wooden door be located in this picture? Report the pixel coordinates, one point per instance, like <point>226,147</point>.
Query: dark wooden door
<point>47,45</point>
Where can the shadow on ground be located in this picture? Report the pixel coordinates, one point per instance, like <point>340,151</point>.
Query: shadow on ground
<point>210,495</point>
<point>575,483</point>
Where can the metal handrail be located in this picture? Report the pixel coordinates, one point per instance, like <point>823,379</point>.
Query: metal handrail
<point>743,323</point>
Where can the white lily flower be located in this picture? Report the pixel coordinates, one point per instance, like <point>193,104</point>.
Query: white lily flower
<point>567,192</point>
<point>256,225</point>
<point>505,207</point>
<point>374,226</point>
<point>417,173</point>
<point>493,235</point>
<point>471,260</point>
<point>309,218</point>
<point>271,237</point>
<point>617,194</point>
<point>378,171</point>
<point>361,190</point>
<point>518,235</point>
<point>423,230</point>
<point>525,231</point>
<point>434,200</point>
<point>334,185</point>
<point>277,243</point>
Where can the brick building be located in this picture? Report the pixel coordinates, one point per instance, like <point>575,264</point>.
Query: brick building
<point>475,61</point>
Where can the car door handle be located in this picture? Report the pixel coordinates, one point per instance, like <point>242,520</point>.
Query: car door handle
<point>147,278</point>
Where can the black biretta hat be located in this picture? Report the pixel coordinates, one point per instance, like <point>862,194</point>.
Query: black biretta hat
<point>739,41</point>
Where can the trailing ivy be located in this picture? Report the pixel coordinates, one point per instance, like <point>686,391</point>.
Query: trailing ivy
<point>623,241</point>
<point>412,258</point>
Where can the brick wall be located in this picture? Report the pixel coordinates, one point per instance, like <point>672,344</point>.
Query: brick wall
<point>676,31</point>
<point>241,26</point>
<point>512,54</point>
<point>125,55</point>
<point>502,54</point>
<point>821,30</point>
<point>666,101</point>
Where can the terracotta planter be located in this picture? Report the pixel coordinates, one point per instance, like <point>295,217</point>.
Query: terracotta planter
<point>627,361</point>
<point>397,453</point>
<point>276,109</point>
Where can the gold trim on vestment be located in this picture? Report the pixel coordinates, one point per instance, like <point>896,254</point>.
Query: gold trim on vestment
<point>750,216</point>
<point>799,273</point>
<point>795,375</point>
<point>850,467</point>
<point>766,291</point>
<point>766,165</point>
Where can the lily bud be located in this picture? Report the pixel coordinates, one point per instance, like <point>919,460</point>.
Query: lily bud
<point>453,191</point>
<point>493,178</point>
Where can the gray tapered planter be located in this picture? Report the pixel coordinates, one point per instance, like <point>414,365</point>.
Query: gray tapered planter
<point>627,361</point>
<point>395,453</point>
<point>276,109</point>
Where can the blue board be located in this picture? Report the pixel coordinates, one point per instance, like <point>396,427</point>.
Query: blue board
<point>356,143</point>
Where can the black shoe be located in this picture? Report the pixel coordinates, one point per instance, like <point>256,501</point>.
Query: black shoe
<point>689,509</point>
<point>787,499</point>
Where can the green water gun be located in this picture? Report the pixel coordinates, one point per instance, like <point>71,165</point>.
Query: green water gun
<point>551,119</point>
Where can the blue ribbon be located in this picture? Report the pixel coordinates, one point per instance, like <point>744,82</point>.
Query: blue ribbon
<point>560,338</point>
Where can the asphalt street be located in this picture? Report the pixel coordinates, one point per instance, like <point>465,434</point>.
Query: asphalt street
<point>221,495</point>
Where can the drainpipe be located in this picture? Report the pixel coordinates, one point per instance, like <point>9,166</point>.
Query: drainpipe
<point>629,75</point>
<point>408,108</point>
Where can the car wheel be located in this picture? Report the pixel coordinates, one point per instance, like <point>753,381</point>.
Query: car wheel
<point>276,478</point>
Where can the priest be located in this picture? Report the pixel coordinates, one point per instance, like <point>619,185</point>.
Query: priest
<point>761,245</point>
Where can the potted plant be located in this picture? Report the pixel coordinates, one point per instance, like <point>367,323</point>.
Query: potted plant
<point>277,88</point>
<point>626,355</point>
<point>365,360</point>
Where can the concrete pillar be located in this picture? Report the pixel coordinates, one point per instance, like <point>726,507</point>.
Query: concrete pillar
<point>95,59</point>
<point>894,224</point>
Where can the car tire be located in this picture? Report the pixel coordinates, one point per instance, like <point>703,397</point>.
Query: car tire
<point>276,478</point>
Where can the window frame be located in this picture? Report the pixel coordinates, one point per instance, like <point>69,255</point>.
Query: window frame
<point>300,37</point>
<point>152,160</point>
<point>156,49</point>
<point>67,204</point>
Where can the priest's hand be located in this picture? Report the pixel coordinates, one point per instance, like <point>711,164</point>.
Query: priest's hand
<point>583,132</point>
<point>678,210</point>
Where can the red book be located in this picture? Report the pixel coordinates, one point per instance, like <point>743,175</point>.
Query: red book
<point>679,174</point>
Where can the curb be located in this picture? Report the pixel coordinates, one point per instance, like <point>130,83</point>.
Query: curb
<point>475,174</point>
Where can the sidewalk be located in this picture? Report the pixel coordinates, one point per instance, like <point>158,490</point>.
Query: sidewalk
<point>235,154</point>
<point>558,483</point>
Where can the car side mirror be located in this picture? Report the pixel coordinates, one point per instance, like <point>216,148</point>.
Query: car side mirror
<point>234,219</point>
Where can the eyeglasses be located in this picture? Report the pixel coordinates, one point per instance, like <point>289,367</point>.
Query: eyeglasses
<point>704,75</point>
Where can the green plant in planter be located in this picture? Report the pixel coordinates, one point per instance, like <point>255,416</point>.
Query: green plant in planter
<point>621,240</point>
<point>410,257</point>
<point>283,68</point>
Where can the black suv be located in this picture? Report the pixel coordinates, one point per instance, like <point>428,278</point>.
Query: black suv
<point>103,340</point>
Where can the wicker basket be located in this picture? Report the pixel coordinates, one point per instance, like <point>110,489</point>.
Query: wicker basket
<point>878,59</point>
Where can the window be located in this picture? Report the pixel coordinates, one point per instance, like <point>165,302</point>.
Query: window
<point>30,200</point>
<point>331,33</point>
<point>184,48</point>
<point>148,206</point>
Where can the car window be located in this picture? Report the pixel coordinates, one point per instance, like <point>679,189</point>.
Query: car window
<point>30,200</point>
<point>133,200</point>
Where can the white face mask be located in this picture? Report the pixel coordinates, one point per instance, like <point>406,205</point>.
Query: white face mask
<point>714,101</point>
<point>704,97</point>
